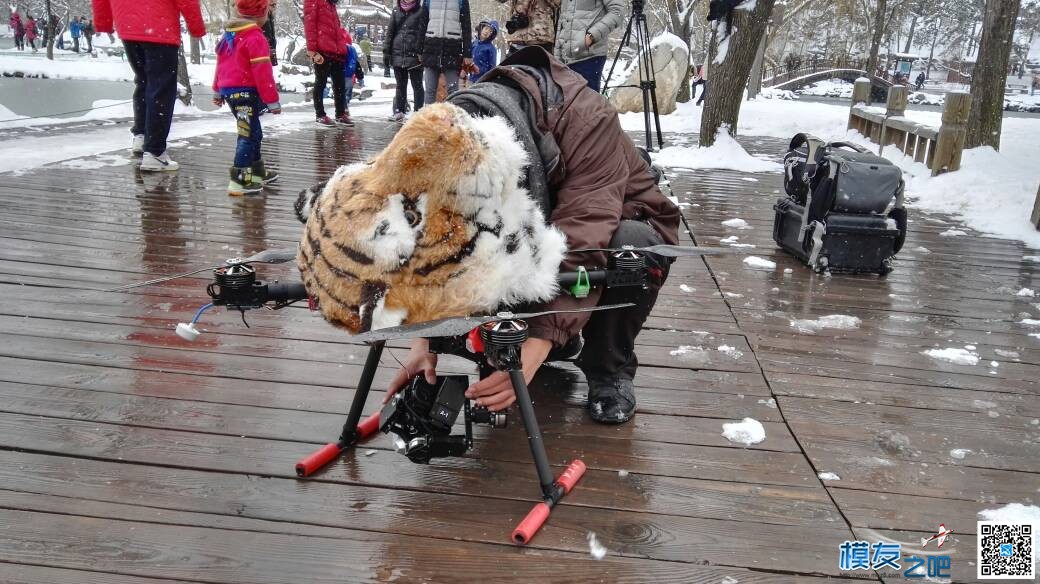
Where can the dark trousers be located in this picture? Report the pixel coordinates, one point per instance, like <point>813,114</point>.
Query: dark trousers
<point>90,42</point>
<point>591,69</point>
<point>610,335</point>
<point>334,69</point>
<point>404,77</point>
<point>704,91</point>
<point>32,44</point>
<point>75,43</point>
<point>155,91</point>
<point>19,42</point>
<point>246,107</point>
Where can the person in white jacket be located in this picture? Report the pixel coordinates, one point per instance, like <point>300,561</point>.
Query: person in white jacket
<point>581,37</point>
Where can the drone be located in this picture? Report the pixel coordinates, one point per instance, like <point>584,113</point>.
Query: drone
<point>422,415</point>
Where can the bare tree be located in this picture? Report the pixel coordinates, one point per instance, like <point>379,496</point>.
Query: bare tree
<point>990,75</point>
<point>680,23</point>
<point>730,55</point>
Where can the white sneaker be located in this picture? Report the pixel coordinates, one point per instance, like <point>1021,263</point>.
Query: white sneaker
<point>161,163</point>
<point>137,145</point>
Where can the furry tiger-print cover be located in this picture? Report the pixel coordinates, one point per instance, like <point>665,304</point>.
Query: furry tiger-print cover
<point>434,226</point>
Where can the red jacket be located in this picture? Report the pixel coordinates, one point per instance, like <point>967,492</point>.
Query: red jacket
<point>247,63</point>
<point>30,30</point>
<point>152,21</point>
<point>322,28</point>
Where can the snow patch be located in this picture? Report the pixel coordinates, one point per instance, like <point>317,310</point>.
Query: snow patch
<point>1026,293</point>
<point>747,432</point>
<point>953,233</point>
<point>828,476</point>
<point>960,453</point>
<point>1012,513</point>
<point>736,223</point>
<point>731,351</point>
<point>756,262</point>
<point>686,288</point>
<point>724,153</point>
<point>831,321</point>
<point>954,355</point>
<point>596,549</point>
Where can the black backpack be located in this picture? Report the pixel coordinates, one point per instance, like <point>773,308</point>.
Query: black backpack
<point>844,206</point>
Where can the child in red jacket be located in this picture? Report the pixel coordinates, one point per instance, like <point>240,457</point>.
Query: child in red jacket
<point>245,81</point>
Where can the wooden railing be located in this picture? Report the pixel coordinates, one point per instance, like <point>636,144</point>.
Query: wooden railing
<point>939,149</point>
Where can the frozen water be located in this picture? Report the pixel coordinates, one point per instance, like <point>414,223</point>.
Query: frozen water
<point>953,355</point>
<point>747,432</point>
<point>759,263</point>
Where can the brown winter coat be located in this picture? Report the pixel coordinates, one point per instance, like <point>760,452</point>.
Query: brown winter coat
<point>605,180</point>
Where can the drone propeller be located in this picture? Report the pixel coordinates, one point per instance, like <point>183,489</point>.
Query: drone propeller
<point>460,325</point>
<point>268,256</point>
<point>672,251</point>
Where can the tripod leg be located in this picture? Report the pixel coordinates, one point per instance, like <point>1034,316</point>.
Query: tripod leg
<point>617,56</point>
<point>353,431</point>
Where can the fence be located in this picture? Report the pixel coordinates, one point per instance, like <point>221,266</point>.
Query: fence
<point>939,149</point>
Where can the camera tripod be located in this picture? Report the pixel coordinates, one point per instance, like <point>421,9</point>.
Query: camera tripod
<point>647,79</point>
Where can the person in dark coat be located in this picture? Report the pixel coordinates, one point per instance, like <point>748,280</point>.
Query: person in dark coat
<point>401,51</point>
<point>485,55</point>
<point>447,47</point>
<point>605,196</point>
<point>920,81</point>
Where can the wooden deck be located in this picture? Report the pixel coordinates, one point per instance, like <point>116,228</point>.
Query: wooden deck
<point>128,456</point>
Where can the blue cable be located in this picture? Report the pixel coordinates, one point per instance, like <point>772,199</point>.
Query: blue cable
<point>199,313</point>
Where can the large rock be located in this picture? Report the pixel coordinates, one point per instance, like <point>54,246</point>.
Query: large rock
<point>671,60</point>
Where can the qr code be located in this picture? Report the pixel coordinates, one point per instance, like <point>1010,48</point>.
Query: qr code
<point>1006,551</point>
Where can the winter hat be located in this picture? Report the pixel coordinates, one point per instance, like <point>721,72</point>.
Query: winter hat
<point>252,8</point>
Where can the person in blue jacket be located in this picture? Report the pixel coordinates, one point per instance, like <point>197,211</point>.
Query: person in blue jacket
<point>75,28</point>
<point>485,55</point>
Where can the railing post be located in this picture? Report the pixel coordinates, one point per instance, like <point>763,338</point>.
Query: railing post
<point>1035,218</point>
<point>895,106</point>
<point>860,95</point>
<point>950,143</point>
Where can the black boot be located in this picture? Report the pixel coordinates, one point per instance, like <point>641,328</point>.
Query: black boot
<point>611,401</point>
<point>243,182</point>
<point>261,173</point>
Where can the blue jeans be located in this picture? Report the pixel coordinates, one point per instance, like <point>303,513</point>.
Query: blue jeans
<point>246,107</point>
<point>591,69</point>
<point>155,91</point>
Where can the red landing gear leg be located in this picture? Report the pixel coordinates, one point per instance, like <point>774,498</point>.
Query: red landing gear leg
<point>552,490</point>
<point>354,430</point>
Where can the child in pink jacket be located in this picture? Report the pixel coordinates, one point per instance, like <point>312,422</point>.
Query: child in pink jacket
<point>245,81</point>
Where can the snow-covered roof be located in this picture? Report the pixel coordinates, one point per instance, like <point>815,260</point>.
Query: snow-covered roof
<point>905,56</point>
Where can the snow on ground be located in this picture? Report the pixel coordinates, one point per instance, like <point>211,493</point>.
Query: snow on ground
<point>960,453</point>
<point>954,355</point>
<point>731,351</point>
<point>596,549</point>
<point>757,263</point>
<point>102,109</point>
<point>747,432</point>
<point>828,476</point>
<point>1012,513</point>
<point>831,321</point>
<point>736,223</point>
<point>724,153</point>
<point>84,67</point>
<point>31,150</point>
